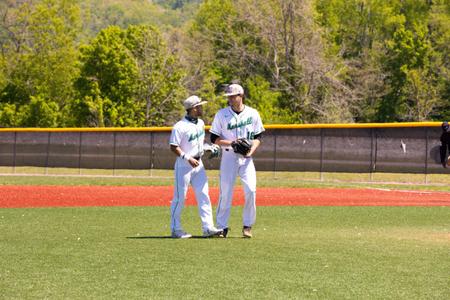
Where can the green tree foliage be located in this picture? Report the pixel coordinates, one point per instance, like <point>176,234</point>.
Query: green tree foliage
<point>8,115</point>
<point>279,42</point>
<point>98,15</point>
<point>131,63</point>
<point>160,78</point>
<point>395,54</point>
<point>39,62</point>
<point>127,78</point>
<point>220,27</point>
<point>175,4</point>
<point>107,81</point>
<point>266,100</point>
<point>439,33</point>
<point>407,60</point>
<point>209,92</point>
<point>40,112</point>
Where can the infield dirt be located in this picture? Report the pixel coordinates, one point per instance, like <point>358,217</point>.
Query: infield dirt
<point>79,196</point>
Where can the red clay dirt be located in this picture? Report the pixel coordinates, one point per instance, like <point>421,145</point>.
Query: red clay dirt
<point>79,196</point>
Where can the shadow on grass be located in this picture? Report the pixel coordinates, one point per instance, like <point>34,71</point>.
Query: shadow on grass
<point>169,237</point>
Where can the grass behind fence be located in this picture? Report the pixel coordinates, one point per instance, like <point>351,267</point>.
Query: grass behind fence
<point>297,252</point>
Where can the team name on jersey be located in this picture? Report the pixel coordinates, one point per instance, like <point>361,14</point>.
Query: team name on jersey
<point>196,135</point>
<point>240,124</point>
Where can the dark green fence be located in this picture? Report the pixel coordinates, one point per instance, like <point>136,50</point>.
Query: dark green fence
<point>412,148</point>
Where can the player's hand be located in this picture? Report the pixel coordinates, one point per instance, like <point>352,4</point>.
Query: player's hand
<point>193,162</point>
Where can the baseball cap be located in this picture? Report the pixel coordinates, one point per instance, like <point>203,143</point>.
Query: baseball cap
<point>234,89</point>
<point>192,102</point>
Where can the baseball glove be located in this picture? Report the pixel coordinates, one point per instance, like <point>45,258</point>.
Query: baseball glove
<point>241,146</point>
<point>213,150</point>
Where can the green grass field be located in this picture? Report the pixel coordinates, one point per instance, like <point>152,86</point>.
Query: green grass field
<point>41,176</point>
<point>297,252</point>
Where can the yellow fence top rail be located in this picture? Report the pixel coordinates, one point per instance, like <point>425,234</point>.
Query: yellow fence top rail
<point>355,125</point>
<point>272,126</point>
<point>84,129</point>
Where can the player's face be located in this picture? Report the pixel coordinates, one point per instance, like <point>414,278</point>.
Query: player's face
<point>197,111</point>
<point>235,100</point>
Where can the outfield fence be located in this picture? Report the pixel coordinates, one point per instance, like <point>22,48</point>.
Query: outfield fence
<point>352,148</point>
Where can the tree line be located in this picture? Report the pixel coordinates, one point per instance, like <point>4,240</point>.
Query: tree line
<point>300,61</point>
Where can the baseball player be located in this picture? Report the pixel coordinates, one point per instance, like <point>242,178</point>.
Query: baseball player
<point>230,124</point>
<point>186,141</point>
<point>445,144</point>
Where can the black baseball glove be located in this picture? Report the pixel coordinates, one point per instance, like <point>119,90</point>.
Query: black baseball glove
<point>241,146</point>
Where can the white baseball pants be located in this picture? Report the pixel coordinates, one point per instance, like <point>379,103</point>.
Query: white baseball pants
<point>231,165</point>
<point>185,175</point>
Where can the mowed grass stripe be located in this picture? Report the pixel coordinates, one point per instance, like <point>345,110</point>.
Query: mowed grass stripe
<point>438,182</point>
<point>297,252</point>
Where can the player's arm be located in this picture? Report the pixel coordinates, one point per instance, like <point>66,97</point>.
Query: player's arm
<point>259,128</point>
<point>178,152</point>
<point>255,144</point>
<point>215,139</point>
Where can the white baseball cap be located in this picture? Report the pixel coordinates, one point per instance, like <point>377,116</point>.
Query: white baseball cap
<point>234,89</point>
<point>192,102</point>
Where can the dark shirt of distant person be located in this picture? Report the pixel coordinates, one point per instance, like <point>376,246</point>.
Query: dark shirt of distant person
<point>445,144</point>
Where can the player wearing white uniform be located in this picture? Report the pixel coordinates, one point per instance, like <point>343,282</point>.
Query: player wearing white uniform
<point>186,141</point>
<point>231,123</point>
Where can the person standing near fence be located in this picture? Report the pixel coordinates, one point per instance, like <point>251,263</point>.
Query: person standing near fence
<point>186,141</point>
<point>445,144</point>
<point>237,121</point>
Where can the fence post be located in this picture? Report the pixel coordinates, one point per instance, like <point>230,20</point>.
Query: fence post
<point>48,152</point>
<point>79,153</point>
<point>14,152</point>
<point>375,154</point>
<point>151,153</point>
<point>372,159</point>
<point>274,153</point>
<point>321,154</point>
<point>114,153</point>
<point>426,155</point>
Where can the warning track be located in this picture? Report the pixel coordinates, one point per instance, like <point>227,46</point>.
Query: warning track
<point>81,196</point>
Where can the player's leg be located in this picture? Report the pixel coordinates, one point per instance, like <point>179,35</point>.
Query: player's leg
<point>448,158</point>
<point>228,173</point>
<point>247,173</point>
<point>182,179</point>
<point>199,182</point>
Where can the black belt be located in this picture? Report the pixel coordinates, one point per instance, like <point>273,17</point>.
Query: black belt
<point>197,157</point>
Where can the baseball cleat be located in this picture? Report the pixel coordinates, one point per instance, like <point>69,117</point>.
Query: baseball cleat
<point>210,232</point>
<point>181,234</point>
<point>247,232</point>
<point>223,233</point>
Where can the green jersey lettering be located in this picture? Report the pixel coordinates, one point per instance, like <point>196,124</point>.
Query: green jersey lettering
<point>196,135</point>
<point>240,124</point>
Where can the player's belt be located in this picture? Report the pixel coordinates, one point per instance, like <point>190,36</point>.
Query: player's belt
<point>197,157</point>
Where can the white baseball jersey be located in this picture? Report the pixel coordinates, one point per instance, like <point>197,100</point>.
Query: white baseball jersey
<point>189,136</point>
<point>231,126</point>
